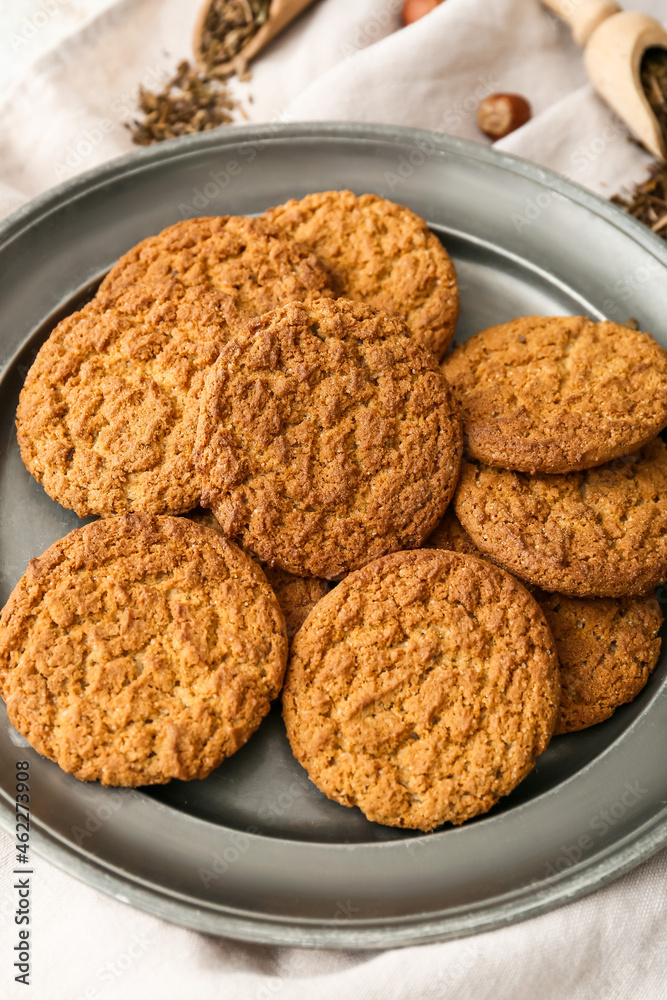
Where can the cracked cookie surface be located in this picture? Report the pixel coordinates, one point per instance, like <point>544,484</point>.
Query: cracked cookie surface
<point>297,595</point>
<point>108,414</point>
<point>422,688</point>
<point>558,394</point>
<point>597,533</point>
<point>327,437</point>
<point>606,647</point>
<point>139,649</point>
<point>240,257</point>
<point>380,253</point>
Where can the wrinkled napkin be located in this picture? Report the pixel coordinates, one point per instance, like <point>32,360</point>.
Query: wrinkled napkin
<point>344,59</point>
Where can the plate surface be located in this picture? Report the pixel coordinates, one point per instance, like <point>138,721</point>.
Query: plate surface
<point>255,851</point>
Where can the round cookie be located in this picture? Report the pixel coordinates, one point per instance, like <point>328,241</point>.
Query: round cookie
<point>242,258</point>
<point>422,689</point>
<point>139,649</point>
<point>297,595</point>
<point>606,647</point>
<point>379,253</point>
<point>327,437</point>
<point>558,394</point>
<point>108,414</point>
<point>597,533</point>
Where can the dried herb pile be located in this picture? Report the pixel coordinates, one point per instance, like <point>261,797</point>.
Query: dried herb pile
<point>193,101</point>
<point>648,201</point>
<point>653,75</point>
<point>189,102</point>
<point>229,26</point>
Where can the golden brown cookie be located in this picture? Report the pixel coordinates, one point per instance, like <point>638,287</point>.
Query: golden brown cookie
<point>606,647</point>
<point>327,437</point>
<point>558,393</point>
<point>297,595</point>
<point>380,253</point>
<point>139,649</point>
<point>597,533</point>
<point>107,416</point>
<point>241,258</point>
<point>422,689</point>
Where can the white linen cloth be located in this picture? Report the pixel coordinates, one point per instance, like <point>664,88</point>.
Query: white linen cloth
<point>345,59</point>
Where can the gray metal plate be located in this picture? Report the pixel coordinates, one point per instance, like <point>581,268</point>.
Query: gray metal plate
<point>255,851</point>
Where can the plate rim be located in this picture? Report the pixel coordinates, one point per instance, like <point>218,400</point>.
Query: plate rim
<point>526,902</point>
<point>143,158</point>
<point>386,932</point>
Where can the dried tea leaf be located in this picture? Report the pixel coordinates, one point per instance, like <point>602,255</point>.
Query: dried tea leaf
<point>229,26</point>
<point>189,102</point>
<point>653,75</point>
<point>648,200</point>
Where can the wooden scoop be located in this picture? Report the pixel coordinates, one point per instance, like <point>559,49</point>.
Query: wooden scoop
<point>614,42</point>
<point>281,12</point>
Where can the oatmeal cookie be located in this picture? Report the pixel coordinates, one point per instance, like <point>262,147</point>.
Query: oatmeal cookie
<point>327,437</point>
<point>379,253</point>
<point>558,394</point>
<point>108,414</point>
<point>297,595</point>
<point>241,258</point>
<point>606,648</point>
<point>139,649</point>
<point>597,533</point>
<point>422,689</point>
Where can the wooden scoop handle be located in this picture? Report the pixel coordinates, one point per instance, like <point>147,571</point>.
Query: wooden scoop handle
<point>281,12</point>
<point>583,16</point>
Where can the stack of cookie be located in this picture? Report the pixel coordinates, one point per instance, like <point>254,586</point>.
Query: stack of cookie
<point>565,486</point>
<point>284,372</point>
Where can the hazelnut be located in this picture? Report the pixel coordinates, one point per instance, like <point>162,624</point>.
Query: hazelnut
<point>500,114</point>
<point>414,9</point>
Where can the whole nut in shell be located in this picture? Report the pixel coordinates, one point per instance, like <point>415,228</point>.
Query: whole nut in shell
<point>500,114</point>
